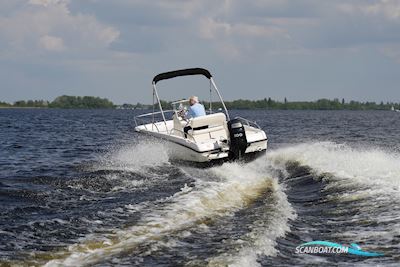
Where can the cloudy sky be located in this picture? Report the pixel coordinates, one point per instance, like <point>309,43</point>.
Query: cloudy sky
<point>299,49</point>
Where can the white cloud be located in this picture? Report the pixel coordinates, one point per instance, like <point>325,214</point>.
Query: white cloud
<point>392,51</point>
<point>210,29</point>
<point>240,40</point>
<point>52,43</point>
<point>388,9</point>
<point>48,2</point>
<point>50,25</point>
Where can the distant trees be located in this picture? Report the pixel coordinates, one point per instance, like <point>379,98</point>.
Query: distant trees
<point>63,102</point>
<point>91,102</point>
<point>4,104</point>
<point>31,104</point>
<point>81,102</point>
<point>321,104</point>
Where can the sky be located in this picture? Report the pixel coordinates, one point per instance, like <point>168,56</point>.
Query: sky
<point>299,49</point>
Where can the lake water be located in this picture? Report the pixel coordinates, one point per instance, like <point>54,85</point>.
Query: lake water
<point>80,187</point>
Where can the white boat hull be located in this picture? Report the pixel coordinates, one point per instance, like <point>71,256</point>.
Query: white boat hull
<point>183,149</point>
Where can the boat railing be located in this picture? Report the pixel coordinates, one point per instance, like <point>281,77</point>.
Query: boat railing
<point>140,120</point>
<point>150,118</point>
<point>248,122</point>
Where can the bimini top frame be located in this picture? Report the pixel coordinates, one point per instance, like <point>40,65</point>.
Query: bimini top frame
<point>184,72</point>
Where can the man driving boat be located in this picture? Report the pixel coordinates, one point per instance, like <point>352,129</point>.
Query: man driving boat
<point>195,110</point>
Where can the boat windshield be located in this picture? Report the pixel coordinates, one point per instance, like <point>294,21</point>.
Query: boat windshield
<point>180,105</point>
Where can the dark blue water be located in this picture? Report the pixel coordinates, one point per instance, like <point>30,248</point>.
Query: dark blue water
<point>80,187</point>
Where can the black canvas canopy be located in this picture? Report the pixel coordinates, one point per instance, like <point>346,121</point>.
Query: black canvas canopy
<point>184,72</point>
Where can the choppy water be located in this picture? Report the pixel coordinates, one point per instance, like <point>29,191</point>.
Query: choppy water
<point>79,187</point>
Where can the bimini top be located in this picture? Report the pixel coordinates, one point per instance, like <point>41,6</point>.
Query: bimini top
<point>184,72</point>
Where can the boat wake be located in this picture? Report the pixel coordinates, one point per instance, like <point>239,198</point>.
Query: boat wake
<point>343,194</point>
<point>216,193</point>
<point>373,167</point>
<point>241,214</point>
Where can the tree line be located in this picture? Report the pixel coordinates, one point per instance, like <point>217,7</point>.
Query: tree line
<point>85,102</point>
<point>321,104</point>
<point>91,102</point>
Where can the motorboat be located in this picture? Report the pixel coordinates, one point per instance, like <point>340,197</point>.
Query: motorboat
<point>210,138</point>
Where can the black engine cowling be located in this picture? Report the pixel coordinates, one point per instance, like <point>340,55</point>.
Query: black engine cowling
<point>238,140</point>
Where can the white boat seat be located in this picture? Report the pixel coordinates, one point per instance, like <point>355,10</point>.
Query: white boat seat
<point>208,120</point>
<point>216,127</point>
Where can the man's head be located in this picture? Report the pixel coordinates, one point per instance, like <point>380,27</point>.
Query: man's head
<point>193,100</point>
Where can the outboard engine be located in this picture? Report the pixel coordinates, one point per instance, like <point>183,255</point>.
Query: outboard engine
<point>238,139</point>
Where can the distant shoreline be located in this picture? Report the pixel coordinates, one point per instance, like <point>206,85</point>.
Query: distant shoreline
<point>250,109</point>
<point>25,107</point>
<point>91,102</point>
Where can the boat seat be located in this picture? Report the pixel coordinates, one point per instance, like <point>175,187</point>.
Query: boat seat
<point>208,120</point>
<point>216,127</point>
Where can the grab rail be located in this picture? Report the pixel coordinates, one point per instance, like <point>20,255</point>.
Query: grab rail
<point>152,124</point>
<point>147,115</point>
<point>249,122</point>
<point>152,113</point>
<point>158,130</point>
